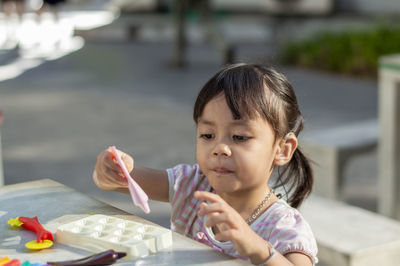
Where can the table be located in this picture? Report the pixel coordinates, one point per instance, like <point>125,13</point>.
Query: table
<point>55,204</point>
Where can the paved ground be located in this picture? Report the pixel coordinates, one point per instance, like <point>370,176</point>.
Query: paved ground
<point>113,91</point>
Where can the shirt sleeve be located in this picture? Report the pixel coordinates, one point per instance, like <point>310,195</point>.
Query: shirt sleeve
<point>292,233</point>
<point>182,180</point>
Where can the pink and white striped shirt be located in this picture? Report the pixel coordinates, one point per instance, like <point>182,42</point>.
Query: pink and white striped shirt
<point>281,225</point>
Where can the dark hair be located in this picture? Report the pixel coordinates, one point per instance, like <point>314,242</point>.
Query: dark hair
<point>256,90</point>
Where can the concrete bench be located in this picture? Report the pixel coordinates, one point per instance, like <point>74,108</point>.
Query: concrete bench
<point>277,10</point>
<point>351,236</point>
<point>331,149</point>
<point>389,144</point>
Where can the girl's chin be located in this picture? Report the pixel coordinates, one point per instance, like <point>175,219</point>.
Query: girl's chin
<point>224,187</point>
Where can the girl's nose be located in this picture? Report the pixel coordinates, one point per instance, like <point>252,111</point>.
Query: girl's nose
<point>222,149</point>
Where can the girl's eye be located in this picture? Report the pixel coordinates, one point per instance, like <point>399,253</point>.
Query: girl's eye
<point>240,138</point>
<point>206,136</point>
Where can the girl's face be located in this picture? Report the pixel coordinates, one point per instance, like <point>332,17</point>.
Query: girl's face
<point>235,155</point>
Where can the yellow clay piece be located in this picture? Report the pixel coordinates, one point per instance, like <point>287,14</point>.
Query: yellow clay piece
<point>15,222</point>
<point>37,245</point>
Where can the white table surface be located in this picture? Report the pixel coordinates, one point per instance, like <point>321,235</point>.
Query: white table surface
<point>55,204</point>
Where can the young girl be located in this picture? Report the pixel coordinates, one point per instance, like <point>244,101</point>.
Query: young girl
<point>248,121</point>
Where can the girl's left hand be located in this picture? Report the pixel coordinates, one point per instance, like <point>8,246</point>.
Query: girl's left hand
<point>231,226</point>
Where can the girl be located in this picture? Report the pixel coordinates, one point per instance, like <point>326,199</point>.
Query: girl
<point>248,121</point>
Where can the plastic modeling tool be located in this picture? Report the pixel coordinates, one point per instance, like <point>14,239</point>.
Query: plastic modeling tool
<point>104,258</point>
<point>44,238</point>
<point>139,197</point>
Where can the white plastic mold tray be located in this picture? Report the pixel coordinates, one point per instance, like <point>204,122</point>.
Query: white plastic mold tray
<point>100,232</point>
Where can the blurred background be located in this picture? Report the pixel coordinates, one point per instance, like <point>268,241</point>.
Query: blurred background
<point>80,75</point>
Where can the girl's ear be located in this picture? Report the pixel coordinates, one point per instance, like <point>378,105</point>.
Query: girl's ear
<point>285,150</point>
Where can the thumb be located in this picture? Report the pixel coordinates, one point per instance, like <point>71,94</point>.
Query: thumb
<point>128,161</point>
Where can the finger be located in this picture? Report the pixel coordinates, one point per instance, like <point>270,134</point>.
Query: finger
<point>103,183</point>
<point>95,179</point>
<point>202,206</point>
<point>126,159</point>
<point>108,169</point>
<point>105,158</point>
<point>205,208</point>
<point>110,165</point>
<point>109,157</point>
<point>226,235</point>
<point>209,220</point>
<point>116,177</point>
<point>219,218</point>
<point>109,178</point>
<point>207,196</point>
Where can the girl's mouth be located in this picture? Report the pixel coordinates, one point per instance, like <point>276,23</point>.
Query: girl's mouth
<point>222,170</point>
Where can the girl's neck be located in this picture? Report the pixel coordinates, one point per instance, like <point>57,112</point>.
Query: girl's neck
<point>246,202</point>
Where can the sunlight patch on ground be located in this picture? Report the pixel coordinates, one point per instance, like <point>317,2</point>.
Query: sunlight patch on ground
<point>35,41</point>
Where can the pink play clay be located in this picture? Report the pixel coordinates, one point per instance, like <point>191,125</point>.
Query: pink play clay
<point>139,197</point>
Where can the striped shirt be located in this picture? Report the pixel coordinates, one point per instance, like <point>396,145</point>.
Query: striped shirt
<point>281,225</point>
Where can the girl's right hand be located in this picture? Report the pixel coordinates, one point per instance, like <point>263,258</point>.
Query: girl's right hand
<point>107,174</point>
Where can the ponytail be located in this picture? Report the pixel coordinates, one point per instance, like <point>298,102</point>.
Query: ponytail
<point>298,175</point>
